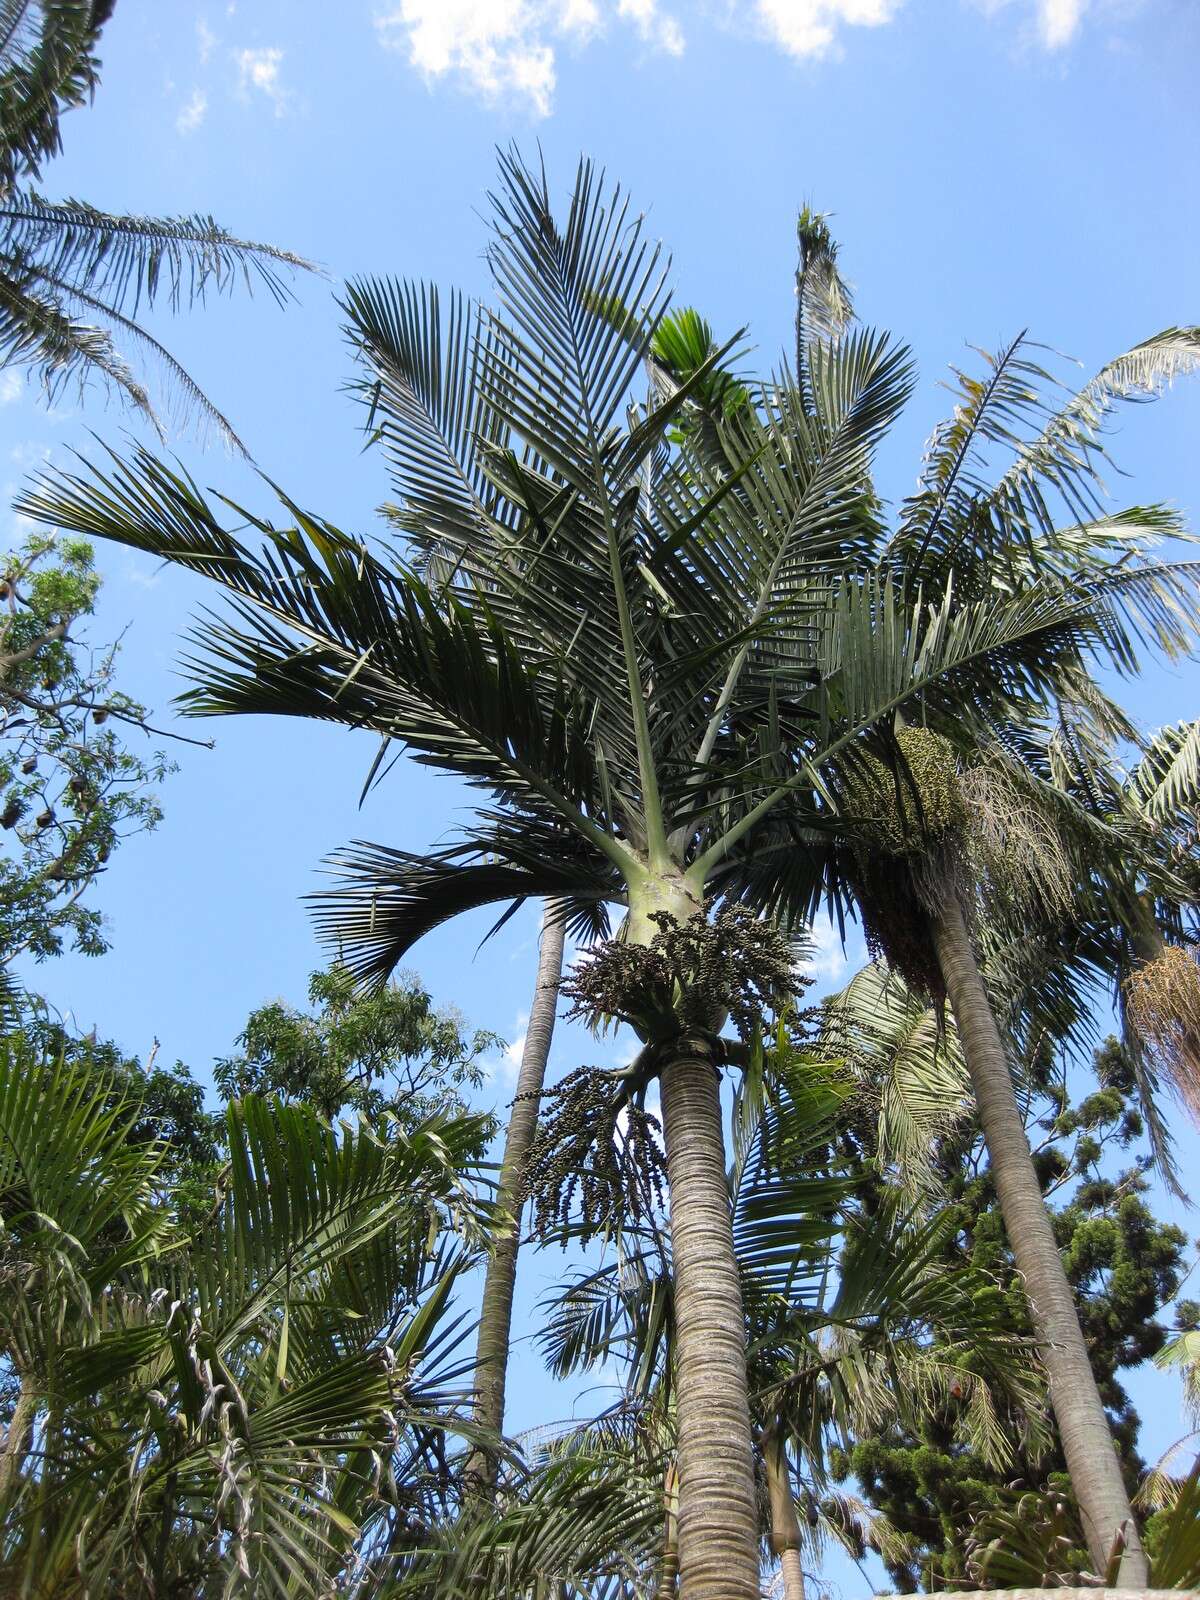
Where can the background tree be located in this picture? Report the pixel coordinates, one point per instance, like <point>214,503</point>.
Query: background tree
<point>1124,1266</point>
<point>70,787</point>
<point>388,1054</point>
<point>73,277</point>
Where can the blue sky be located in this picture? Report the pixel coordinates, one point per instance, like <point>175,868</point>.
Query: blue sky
<point>990,165</point>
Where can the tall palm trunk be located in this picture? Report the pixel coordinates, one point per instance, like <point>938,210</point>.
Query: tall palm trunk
<point>786,1537</point>
<point>718,1513</point>
<point>495,1316</point>
<point>1083,1428</point>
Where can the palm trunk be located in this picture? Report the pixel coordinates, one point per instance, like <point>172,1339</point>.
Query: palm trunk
<point>718,1514</point>
<point>786,1537</point>
<point>669,1573</point>
<point>495,1316</point>
<point>1083,1428</point>
<point>16,1440</point>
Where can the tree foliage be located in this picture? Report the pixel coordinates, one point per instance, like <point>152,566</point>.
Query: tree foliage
<point>71,787</point>
<point>1124,1265</point>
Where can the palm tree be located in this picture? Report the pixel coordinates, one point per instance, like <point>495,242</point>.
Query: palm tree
<point>604,641</point>
<point>886,836</point>
<point>71,276</point>
<point>251,1403</point>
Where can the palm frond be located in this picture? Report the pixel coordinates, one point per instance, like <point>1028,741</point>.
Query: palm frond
<point>1165,784</point>
<point>47,65</point>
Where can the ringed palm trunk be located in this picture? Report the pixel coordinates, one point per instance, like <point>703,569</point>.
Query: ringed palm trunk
<point>495,1316</point>
<point>786,1538</point>
<point>1082,1425</point>
<point>718,1513</point>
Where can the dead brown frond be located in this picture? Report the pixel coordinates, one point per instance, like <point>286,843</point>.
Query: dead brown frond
<point>1162,1005</point>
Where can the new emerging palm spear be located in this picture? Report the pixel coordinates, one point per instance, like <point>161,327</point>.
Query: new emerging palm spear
<point>633,659</point>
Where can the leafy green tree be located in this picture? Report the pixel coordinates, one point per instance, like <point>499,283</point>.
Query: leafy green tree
<point>1124,1266</point>
<point>71,789</point>
<point>388,1052</point>
<point>256,1399</point>
<point>73,277</point>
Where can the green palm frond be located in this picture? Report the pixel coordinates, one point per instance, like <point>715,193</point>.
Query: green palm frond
<point>907,1055</point>
<point>388,899</point>
<point>1066,456</point>
<point>588,1520</point>
<point>1165,784</point>
<point>129,261</point>
<point>243,1385</point>
<point>47,65</point>
<point>73,278</point>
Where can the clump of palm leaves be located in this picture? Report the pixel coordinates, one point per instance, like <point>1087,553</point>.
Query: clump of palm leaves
<point>233,1406</point>
<point>72,277</point>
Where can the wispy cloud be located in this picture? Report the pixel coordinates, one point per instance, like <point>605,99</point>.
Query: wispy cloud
<point>206,40</point>
<point>507,49</point>
<point>193,113</point>
<point>811,28</point>
<point>12,386</point>
<point>829,965</point>
<point>1054,24</point>
<point>259,73</point>
<point>504,1069</point>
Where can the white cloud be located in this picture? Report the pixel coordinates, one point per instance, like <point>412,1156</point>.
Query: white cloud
<point>810,27</point>
<point>206,39</point>
<point>829,965</point>
<point>258,72</point>
<point>193,113</point>
<point>507,49</point>
<point>1058,21</point>
<point>12,386</point>
<point>1054,24</point>
<point>504,1069</point>
<point>654,26</point>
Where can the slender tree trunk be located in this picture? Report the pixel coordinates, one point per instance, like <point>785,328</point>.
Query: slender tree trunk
<point>785,1524</point>
<point>1082,1425</point>
<point>786,1537</point>
<point>495,1316</point>
<point>16,1439</point>
<point>668,1576</point>
<point>718,1513</point>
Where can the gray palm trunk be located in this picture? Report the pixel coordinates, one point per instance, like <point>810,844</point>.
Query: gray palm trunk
<point>718,1512</point>
<point>786,1536</point>
<point>1082,1425</point>
<point>495,1316</point>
